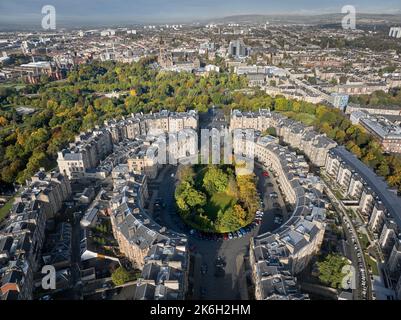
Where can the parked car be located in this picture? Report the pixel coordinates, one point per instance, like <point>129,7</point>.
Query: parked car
<point>220,262</point>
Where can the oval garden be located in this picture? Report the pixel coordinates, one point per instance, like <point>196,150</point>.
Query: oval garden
<point>212,198</point>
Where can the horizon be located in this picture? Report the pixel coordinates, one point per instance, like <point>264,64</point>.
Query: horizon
<point>91,12</point>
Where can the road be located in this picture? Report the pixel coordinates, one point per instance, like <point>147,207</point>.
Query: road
<point>350,235</point>
<point>268,224</point>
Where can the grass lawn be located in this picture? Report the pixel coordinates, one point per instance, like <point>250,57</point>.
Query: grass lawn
<point>17,86</point>
<point>305,118</point>
<point>219,201</point>
<point>372,264</point>
<point>5,209</point>
<point>363,239</point>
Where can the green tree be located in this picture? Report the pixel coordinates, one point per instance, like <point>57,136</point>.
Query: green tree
<point>121,276</point>
<point>215,180</point>
<point>384,170</point>
<point>270,131</point>
<point>330,270</point>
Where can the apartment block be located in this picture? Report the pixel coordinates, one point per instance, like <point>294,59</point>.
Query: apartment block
<point>85,153</point>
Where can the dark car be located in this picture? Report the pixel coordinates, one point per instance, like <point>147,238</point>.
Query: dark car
<point>219,273</point>
<point>220,262</point>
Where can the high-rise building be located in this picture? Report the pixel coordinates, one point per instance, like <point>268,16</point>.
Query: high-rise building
<point>395,32</point>
<point>340,101</point>
<point>238,49</point>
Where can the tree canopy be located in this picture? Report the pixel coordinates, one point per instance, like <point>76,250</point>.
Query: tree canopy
<point>211,198</point>
<point>121,276</point>
<point>330,270</point>
<point>62,109</point>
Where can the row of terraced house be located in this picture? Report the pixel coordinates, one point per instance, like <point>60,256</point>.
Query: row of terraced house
<point>368,193</point>
<point>278,257</point>
<point>23,234</point>
<point>93,154</point>
<point>379,206</point>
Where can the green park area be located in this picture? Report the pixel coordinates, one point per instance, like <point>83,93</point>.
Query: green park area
<point>5,209</point>
<point>213,199</point>
<point>372,264</point>
<point>330,270</point>
<point>65,108</point>
<point>305,118</point>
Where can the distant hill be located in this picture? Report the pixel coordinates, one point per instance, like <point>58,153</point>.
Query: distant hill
<point>334,18</point>
<point>331,19</point>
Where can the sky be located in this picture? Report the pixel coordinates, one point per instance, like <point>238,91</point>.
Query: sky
<point>144,11</point>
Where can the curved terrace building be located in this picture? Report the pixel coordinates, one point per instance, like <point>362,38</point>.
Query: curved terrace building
<point>277,257</point>
<point>128,151</point>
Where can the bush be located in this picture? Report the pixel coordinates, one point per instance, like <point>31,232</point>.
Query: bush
<point>330,270</point>
<point>121,276</point>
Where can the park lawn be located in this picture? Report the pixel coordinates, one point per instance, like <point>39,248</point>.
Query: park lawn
<point>17,86</point>
<point>5,209</point>
<point>219,201</point>
<point>305,118</point>
<point>364,241</point>
<point>373,264</point>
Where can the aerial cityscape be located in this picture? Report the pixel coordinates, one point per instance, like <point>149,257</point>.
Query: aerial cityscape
<point>195,150</point>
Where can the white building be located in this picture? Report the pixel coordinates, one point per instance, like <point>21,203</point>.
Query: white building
<point>395,32</point>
